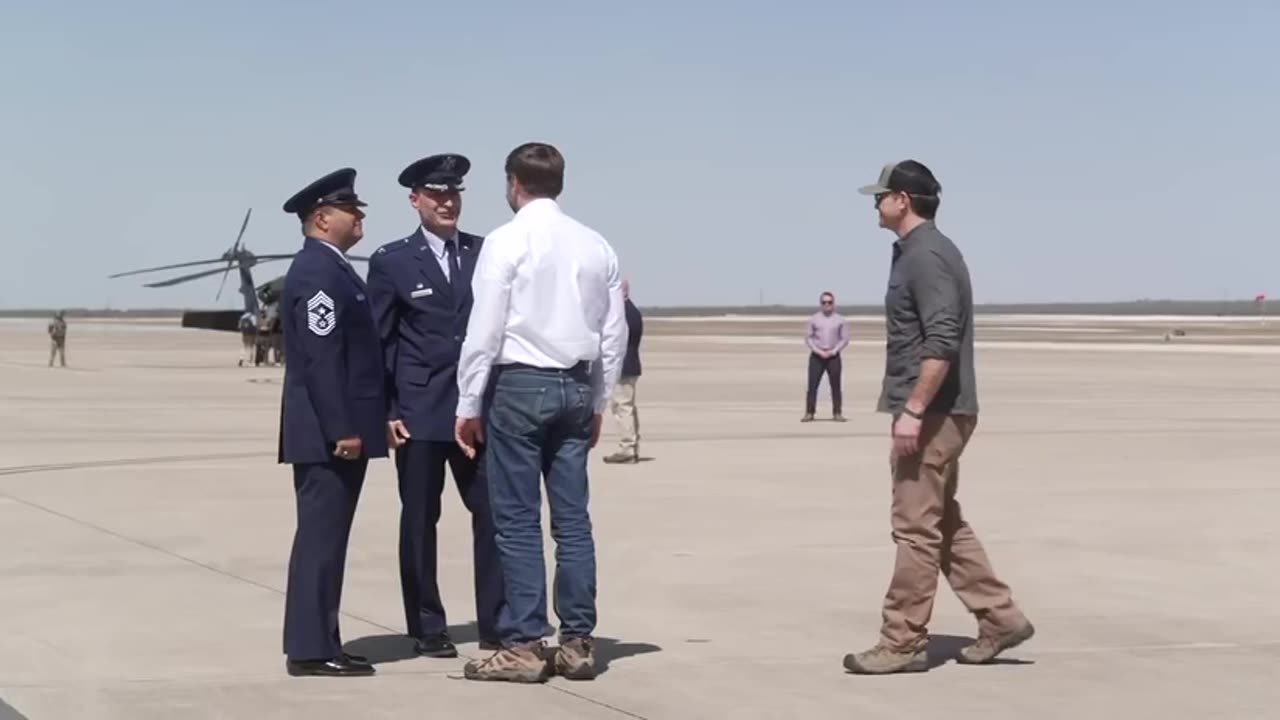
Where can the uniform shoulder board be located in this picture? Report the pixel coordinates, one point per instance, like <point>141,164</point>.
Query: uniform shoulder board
<point>393,246</point>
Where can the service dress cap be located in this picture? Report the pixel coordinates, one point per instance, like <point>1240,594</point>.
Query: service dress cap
<point>441,173</point>
<point>337,188</point>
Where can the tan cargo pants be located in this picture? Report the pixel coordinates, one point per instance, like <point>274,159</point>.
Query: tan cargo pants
<point>623,405</point>
<point>932,535</point>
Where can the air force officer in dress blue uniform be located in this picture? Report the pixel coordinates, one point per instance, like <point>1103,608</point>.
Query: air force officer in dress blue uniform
<point>333,416</point>
<point>420,287</point>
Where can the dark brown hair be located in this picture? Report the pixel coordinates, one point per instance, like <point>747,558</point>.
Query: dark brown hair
<point>924,199</point>
<point>539,167</point>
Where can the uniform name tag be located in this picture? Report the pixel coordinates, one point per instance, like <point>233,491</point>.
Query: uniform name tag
<point>421,293</point>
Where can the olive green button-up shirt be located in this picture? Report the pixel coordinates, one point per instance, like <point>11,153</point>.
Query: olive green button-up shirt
<point>928,314</point>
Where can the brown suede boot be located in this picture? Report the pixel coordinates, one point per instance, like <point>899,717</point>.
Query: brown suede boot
<point>987,647</point>
<point>576,659</point>
<point>521,663</point>
<point>881,660</point>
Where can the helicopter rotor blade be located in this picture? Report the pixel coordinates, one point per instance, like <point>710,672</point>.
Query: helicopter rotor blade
<point>185,278</point>
<point>243,225</point>
<point>169,267</point>
<point>206,273</point>
<point>224,282</point>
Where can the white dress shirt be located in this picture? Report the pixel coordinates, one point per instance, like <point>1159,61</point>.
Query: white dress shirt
<point>436,243</point>
<point>548,293</point>
<point>334,248</point>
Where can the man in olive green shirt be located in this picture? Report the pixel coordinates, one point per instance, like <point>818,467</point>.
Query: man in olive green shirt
<point>930,391</point>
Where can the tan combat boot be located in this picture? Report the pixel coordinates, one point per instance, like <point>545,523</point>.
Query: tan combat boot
<point>576,660</point>
<point>987,647</point>
<point>520,663</point>
<point>881,660</point>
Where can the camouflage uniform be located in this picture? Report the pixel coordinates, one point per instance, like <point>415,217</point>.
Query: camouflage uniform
<point>58,340</point>
<point>249,338</point>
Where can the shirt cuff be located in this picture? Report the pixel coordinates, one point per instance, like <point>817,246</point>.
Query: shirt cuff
<point>469,406</point>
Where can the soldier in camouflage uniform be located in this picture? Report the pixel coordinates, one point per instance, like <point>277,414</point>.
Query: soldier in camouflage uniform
<point>248,339</point>
<point>58,339</point>
<point>274,340</point>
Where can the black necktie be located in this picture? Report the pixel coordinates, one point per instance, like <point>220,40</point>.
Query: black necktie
<point>451,254</point>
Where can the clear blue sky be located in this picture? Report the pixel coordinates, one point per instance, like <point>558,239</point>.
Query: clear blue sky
<point>1087,150</point>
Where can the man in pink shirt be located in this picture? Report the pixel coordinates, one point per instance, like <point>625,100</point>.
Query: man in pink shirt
<point>827,337</point>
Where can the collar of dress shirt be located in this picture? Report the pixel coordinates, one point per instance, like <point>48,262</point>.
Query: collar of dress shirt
<point>538,205</point>
<point>436,242</point>
<point>335,248</point>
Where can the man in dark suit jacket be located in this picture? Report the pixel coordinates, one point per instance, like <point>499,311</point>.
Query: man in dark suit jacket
<point>623,401</point>
<point>420,287</point>
<point>332,416</point>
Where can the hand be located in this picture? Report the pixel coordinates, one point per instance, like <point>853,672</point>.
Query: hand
<point>348,448</point>
<point>468,432</point>
<point>824,354</point>
<point>397,433</point>
<point>597,421</point>
<point>906,435</point>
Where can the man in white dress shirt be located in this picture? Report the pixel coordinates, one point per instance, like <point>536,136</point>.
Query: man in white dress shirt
<point>543,350</point>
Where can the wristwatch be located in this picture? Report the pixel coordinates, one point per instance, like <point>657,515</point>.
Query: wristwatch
<point>912,413</point>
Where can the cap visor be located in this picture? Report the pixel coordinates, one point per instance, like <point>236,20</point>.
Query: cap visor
<point>873,189</point>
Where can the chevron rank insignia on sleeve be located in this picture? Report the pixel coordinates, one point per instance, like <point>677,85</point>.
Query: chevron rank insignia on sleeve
<point>320,316</point>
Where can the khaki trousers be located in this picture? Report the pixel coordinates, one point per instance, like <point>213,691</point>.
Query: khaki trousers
<point>932,536</point>
<point>623,406</point>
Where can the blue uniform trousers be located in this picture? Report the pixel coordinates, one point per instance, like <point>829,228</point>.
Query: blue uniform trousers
<point>327,494</point>
<point>420,465</point>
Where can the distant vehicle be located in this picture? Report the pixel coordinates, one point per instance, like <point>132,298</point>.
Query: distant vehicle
<point>260,300</point>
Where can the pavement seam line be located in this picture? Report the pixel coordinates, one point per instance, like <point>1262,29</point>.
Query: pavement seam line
<point>598,703</point>
<point>174,555</point>
<point>124,462</point>
<point>249,581</point>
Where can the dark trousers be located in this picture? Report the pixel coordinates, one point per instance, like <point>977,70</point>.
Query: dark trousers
<point>538,425</point>
<point>817,366</point>
<point>327,494</point>
<point>420,465</point>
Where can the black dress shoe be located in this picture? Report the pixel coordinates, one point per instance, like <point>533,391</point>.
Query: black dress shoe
<point>357,659</point>
<point>436,646</point>
<point>333,667</point>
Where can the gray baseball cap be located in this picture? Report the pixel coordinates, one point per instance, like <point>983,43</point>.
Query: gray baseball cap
<point>906,176</point>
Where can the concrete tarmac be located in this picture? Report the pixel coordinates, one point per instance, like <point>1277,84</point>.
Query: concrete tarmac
<point>1127,491</point>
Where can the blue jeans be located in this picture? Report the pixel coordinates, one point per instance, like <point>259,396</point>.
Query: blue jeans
<point>538,423</point>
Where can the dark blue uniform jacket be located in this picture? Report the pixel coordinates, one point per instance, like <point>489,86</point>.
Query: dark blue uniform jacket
<point>333,379</point>
<point>422,321</point>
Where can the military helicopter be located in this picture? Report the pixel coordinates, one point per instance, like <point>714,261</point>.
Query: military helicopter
<point>260,301</point>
